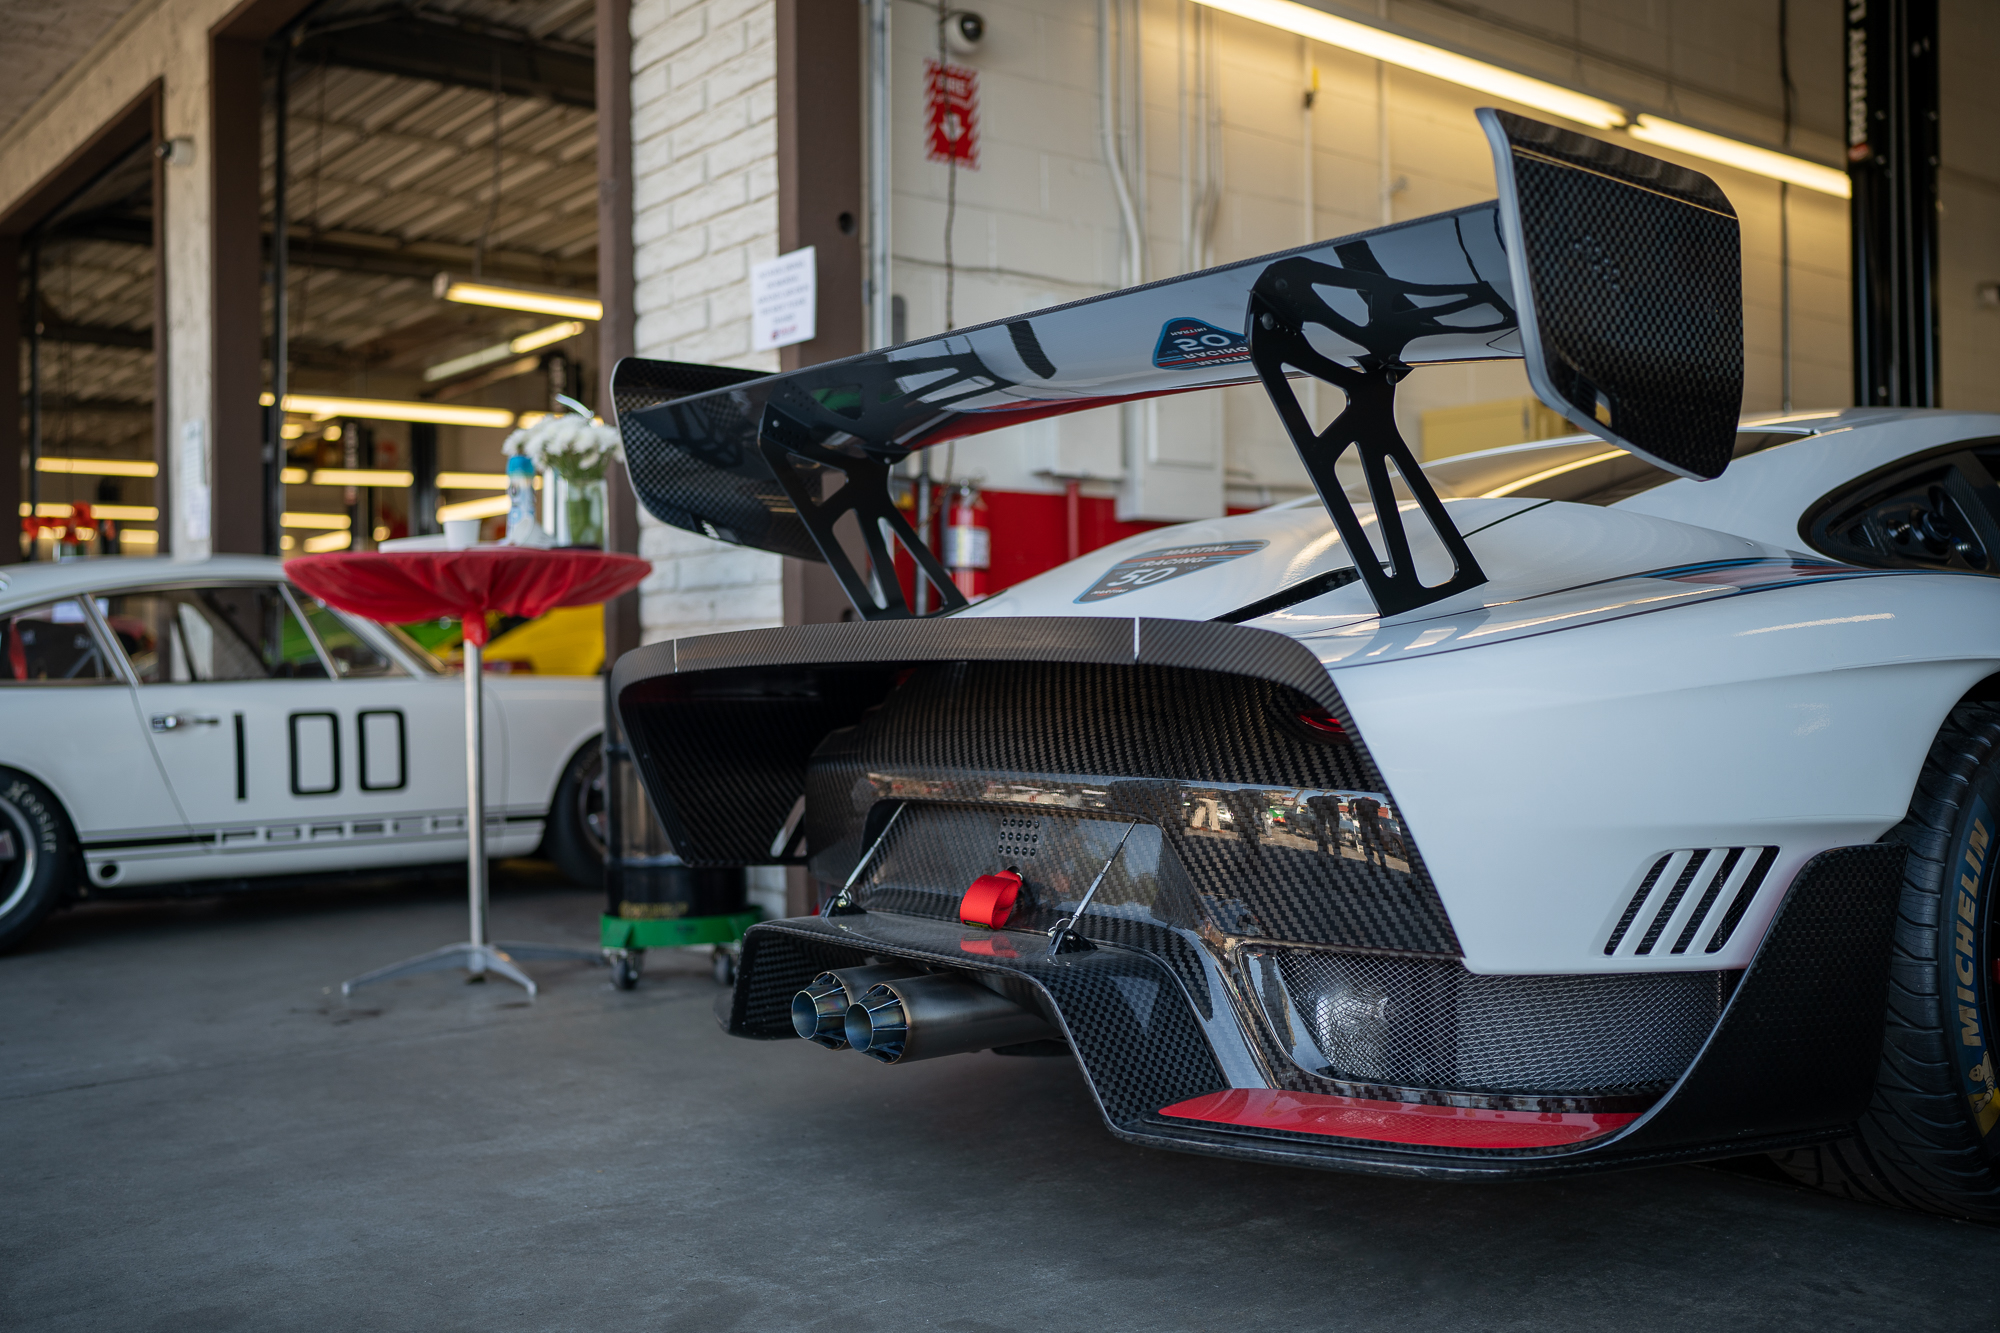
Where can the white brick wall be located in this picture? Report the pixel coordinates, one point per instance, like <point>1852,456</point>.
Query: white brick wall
<point>705,203</point>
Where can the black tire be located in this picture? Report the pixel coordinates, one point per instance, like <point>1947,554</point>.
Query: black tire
<point>38,856</point>
<point>574,839</point>
<point>1931,1136</point>
<point>626,965</point>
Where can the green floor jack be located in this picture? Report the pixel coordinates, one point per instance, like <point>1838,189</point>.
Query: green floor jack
<point>653,900</point>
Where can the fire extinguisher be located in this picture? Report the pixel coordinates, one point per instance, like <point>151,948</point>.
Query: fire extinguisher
<point>968,542</point>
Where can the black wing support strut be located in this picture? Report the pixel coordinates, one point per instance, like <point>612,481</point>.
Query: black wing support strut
<point>801,462</point>
<point>1282,302</point>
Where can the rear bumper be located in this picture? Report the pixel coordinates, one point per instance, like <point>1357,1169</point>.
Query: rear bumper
<point>1149,1019</point>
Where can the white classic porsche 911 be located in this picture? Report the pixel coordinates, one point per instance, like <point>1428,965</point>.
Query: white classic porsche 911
<point>169,721</point>
<point>1593,804</point>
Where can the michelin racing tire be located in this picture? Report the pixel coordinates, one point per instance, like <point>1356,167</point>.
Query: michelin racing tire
<point>38,856</point>
<point>1930,1138</point>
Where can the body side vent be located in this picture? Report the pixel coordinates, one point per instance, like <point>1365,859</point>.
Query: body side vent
<point>1688,897</point>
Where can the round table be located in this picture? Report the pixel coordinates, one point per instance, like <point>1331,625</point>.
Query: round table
<point>403,586</point>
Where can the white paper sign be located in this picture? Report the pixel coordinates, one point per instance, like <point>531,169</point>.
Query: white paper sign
<point>784,300</point>
<point>191,501</point>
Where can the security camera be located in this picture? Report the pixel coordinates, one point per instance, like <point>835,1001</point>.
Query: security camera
<point>964,31</point>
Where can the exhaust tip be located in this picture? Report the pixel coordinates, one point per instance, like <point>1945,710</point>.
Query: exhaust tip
<point>877,1025</point>
<point>818,1012</point>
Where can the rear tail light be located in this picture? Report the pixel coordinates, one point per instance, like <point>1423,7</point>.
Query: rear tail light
<point>1323,722</point>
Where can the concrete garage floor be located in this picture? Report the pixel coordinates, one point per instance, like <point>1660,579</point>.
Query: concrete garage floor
<point>198,1134</point>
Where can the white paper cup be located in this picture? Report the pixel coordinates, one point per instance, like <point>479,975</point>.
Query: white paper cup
<point>460,533</point>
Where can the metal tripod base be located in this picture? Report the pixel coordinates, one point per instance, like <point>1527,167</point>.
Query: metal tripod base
<point>478,959</point>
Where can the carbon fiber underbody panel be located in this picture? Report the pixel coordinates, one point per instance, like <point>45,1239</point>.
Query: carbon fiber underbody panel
<point>1790,1062</point>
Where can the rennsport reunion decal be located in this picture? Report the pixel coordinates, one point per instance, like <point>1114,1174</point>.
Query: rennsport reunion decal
<point>1187,343</point>
<point>1965,927</point>
<point>1143,571</point>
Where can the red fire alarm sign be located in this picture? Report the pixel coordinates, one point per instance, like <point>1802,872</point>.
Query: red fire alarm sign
<point>951,109</point>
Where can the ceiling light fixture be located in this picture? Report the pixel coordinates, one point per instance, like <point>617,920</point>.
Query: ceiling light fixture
<point>362,476</point>
<point>507,296</point>
<point>1319,26</point>
<point>99,467</point>
<point>329,541</point>
<point>1743,156</point>
<point>142,513</point>
<point>291,519</point>
<point>292,476</point>
<point>381,409</point>
<point>486,356</point>
<point>490,507</point>
<point>477,481</point>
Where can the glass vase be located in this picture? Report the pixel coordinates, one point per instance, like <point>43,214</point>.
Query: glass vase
<point>583,513</point>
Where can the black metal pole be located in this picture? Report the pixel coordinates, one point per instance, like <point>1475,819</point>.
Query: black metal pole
<point>34,380</point>
<point>274,420</point>
<point>1892,162</point>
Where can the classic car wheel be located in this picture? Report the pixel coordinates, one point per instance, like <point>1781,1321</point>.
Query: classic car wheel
<point>1931,1136</point>
<point>38,857</point>
<point>575,838</point>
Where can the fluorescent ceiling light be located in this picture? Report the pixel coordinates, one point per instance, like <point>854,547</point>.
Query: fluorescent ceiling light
<point>292,476</point>
<point>290,519</point>
<point>329,541</point>
<point>361,476</point>
<point>99,467</point>
<point>381,409</point>
<point>139,536</point>
<point>486,356</point>
<point>1745,157</point>
<point>505,296</point>
<point>1582,108</point>
<point>490,507</point>
<point>477,481</point>
<point>143,513</point>
<point>1424,58</point>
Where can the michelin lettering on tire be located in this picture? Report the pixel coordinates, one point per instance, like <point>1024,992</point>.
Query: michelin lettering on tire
<point>1965,927</point>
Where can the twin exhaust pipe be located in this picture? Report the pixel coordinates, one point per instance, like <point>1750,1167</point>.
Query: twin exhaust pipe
<point>895,1015</point>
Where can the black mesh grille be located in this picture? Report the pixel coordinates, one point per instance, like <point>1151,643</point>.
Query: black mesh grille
<point>1425,1024</point>
<point>1200,758</point>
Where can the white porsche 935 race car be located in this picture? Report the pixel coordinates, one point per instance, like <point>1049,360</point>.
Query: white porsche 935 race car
<point>1594,803</point>
<point>176,721</point>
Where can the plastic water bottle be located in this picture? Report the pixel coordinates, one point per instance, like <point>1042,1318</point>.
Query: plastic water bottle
<point>522,527</point>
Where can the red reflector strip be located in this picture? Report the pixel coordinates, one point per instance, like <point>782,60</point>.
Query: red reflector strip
<point>990,900</point>
<point>1397,1122</point>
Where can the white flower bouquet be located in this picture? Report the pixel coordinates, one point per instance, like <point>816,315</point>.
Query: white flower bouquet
<point>573,447</point>
<point>576,449</point>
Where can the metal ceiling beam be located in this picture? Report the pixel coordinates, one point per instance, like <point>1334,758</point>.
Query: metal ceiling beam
<point>363,252</point>
<point>92,335</point>
<point>457,52</point>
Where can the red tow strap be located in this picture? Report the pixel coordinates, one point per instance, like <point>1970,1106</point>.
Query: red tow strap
<point>990,900</point>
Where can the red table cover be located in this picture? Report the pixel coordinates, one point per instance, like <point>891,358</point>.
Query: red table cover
<point>397,587</point>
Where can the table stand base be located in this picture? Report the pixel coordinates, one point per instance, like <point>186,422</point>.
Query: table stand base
<point>477,959</point>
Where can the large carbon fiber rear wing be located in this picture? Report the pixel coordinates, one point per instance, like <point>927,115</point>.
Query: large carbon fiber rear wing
<point>1614,275</point>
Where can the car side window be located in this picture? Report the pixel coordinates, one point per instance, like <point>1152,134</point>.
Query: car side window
<point>50,644</point>
<point>227,632</point>
<point>352,656</point>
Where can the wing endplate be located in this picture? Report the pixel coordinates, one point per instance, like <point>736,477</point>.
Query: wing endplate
<point>1628,277</point>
